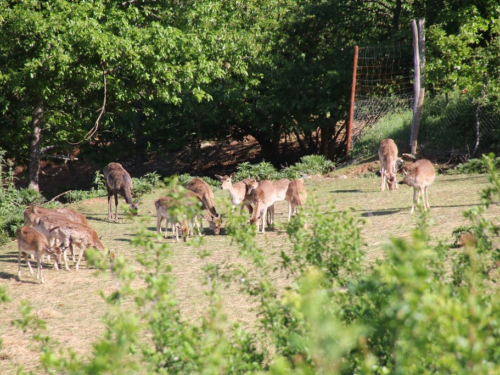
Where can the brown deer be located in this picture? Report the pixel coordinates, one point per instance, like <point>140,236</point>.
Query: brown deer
<point>32,242</point>
<point>296,195</point>
<point>420,176</point>
<point>204,191</point>
<point>31,213</point>
<point>118,182</point>
<point>388,156</point>
<point>281,187</point>
<point>263,197</point>
<point>237,191</point>
<point>169,209</point>
<point>71,235</point>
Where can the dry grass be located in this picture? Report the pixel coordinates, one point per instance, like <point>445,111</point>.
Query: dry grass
<point>72,307</point>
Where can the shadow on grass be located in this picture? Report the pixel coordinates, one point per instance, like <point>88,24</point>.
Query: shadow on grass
<point>346,191</point>
<point>462,177</point>
<point>379,213</point>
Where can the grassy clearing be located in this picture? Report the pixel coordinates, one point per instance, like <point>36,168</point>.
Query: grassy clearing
<point>71,304</point>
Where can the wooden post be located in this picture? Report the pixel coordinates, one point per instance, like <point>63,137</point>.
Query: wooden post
<point>418,86</point>
<point>353,93</point>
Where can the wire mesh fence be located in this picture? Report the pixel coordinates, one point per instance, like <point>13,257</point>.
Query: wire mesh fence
<point>451,124</point>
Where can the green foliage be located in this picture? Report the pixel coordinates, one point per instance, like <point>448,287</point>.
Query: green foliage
<point>13,201</point>
<point>311,165</point>
<point>474,166</point>
<point>263,170</point>
<point>308,165</point>
<point>395,125</point>
<point>145,184</point>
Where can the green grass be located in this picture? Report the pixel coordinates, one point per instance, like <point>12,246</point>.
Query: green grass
<point>71,304</point>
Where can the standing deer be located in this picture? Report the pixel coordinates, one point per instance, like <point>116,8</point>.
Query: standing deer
<point>204,191</point>
<point>182,220</point>
<point>71,235</point>
<point>264,196</point>
<point>420,176</point>
<point>32,242</point>
<point>388,156</point>
<point>281,187</point>
<point>118,181</point>
<point>296,195</point>
<point>238,192</point>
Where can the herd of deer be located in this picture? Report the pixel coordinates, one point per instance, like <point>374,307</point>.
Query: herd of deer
<point>54,232</point>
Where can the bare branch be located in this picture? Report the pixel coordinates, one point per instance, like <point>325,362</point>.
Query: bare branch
<point>95,128</point>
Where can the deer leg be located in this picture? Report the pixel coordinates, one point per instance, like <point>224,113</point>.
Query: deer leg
<point>82,250</point>
<point>175,231</point>
<point>425,195</point>
<point>415,197</point>
<point>110,210</point>
<point>116,206</point>
<point>39,271</point>
<point>382,174</point>
<point>19,265</point>
<point>159,219</point>
<point>290,209</point>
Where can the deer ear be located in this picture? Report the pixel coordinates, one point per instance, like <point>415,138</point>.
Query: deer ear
<point>218,177</point>
<point>257,178</point>
<point>232,175</point>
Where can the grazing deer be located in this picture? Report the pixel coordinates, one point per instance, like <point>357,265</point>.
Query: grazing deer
<point>388,156</point>
<point>204,191</point>
<point>296,195</point>
<point>281,187</point>
<point>420,176</point>
<point>71,235</point>
<point>238,192</point>
<point>165,209</point>
<point>264,196</point>
<point>32,242</point>
<point>31,213</point>
<point>118,182</point>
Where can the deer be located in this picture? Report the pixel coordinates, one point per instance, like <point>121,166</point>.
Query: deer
<point>31,213</point>
<point>388,156</point>
<point>264,196</point>
<point>237,191</point>
<point>420,176</point>
<point>71,235</point>
<point>281,187</point>
<point>32,242</point>
<point>165,209</point>
<point>119,182</point>
<point>296,195</point>
<point>205,193</point>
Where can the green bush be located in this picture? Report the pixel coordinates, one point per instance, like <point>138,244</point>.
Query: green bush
<point>13,201</point>
<point>310,165</point>
<point>473,166</point>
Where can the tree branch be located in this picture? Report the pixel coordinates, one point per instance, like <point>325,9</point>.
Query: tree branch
<point>95,128</point>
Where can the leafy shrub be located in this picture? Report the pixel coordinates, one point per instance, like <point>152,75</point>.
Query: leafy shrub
<point>145,184</point>
<point>263,170</point>
<point>310,164</point>
<point>13,201</point>
<point>473,166</point>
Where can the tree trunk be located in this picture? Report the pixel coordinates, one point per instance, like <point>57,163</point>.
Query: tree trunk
<point>35,146</point>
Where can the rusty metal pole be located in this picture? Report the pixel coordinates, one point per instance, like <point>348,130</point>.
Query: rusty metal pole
<point>353,93</point>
